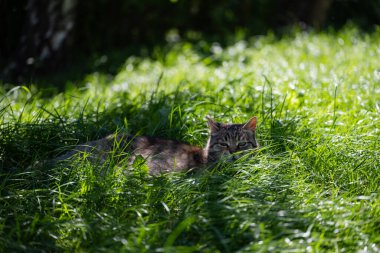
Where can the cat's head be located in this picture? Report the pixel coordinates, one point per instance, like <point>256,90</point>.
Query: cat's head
<point>230,140</point>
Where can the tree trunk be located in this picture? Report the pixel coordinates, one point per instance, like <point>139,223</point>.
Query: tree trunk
<point>45,35</point>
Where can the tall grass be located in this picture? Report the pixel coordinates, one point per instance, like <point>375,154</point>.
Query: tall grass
<point>312,188</point>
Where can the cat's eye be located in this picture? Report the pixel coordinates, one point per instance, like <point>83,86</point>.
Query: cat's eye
<point>242,144</point>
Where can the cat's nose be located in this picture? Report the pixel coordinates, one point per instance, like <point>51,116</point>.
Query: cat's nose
<point>232,149</point>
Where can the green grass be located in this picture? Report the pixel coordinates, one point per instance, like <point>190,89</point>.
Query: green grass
<point>312,188</point>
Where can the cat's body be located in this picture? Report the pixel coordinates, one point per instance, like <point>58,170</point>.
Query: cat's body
<point>161,155</point>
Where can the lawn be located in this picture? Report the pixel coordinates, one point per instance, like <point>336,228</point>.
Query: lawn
<point>313,187</point>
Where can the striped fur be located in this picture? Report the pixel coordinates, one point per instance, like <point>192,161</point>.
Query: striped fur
<point>231,141</point>
<point>226,140</point>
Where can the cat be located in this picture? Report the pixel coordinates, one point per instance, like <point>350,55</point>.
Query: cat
<point>226,142</point>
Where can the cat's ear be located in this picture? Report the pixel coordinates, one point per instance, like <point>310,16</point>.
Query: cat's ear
<point>251,124</point>
<point>214,126</point>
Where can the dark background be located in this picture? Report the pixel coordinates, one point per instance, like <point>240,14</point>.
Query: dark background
<point>40,38</point>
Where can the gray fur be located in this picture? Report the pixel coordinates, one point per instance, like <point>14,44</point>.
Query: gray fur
<point>225,141</point>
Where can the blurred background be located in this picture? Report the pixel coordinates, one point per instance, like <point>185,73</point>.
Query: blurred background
<point>42,38</point>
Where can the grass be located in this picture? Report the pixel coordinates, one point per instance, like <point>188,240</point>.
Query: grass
<point>312,188</point>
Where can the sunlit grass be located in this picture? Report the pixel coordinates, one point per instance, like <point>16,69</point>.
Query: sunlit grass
<point>312,188</point>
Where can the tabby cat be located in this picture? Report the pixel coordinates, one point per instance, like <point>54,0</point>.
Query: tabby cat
<point>226,141</point>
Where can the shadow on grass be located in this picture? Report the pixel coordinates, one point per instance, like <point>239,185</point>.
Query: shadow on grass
<point>235,208</point>
<point>21,144</point>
